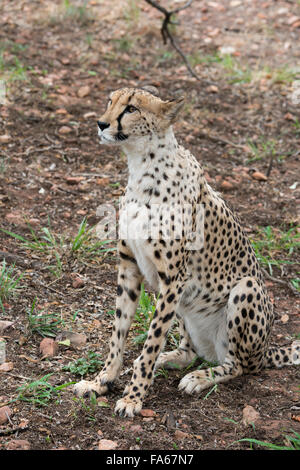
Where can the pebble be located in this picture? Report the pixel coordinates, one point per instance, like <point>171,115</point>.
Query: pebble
<point>5,413</point>
<point>181,434</point>
<point>226,186</point>
<point>147,413</point>
<point>136,429</point>
<point>5,138</point>
<point>106,444</point>
<point>6,366</point>
<point>48,347</point>
<point>78,282</point>
<point>64,130</point>
<point>83,91</point>
<point>76,339</point>
<point>257,175</point>
<point>18,444</point>
<point>250,415</point>
<point>4,325</point>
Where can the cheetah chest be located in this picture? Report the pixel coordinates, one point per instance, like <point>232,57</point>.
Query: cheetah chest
<point>134,231</point>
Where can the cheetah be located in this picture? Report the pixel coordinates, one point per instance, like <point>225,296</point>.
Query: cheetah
<point>213,286</point>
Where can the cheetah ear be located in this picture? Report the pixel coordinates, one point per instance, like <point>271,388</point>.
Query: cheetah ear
<point>152,89</point>
<point>171,108</point>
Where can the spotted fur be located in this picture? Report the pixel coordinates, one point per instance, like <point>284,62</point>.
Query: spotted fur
<point>216,291</point>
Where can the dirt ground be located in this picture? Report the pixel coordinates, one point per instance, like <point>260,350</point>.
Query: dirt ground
<point>59,61</point>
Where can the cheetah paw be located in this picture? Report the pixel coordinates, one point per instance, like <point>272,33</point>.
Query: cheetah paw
<point>164,360</point>
<point>194,383</point>
<point>128,407</point>
<point>85,388</point>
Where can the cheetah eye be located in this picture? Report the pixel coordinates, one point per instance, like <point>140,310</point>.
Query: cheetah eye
<point>109,103</point>
<point>130,109</point>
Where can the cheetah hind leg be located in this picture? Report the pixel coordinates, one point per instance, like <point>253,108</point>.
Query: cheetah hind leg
<point>247,334</point>
<point>180,357</point>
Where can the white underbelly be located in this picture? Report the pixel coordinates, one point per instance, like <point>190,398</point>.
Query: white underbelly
<point>208,332</point>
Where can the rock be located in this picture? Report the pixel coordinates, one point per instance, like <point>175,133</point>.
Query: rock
<point>147,413</point>
<point>102,181</point>
<point>48,347</point>
<point>89,115</point>
<point>226,50</point>
<point>290,117</point>
<point>78,282</point>
<point>148,420</point>
<point>83,91</point>
<point>2,350</point>
<point>18,444</point>
<point>22,340</point>
<point>106,444</point>
<point>64,130</point>
<point>95,59</point>
<point>136,429</point>
<point>74,179</point>
<point>76,339</point>
<point>181,434</point>
<point>61,111</point>
<point>284,318</point>
<point>226,186</point>
<point>212,89</point>
<point>4,325</point>
<point>293,19</point>
<point>250,415</point>
<point>5,138</point>
<point>169,419</point>
<point>6,366</point>
<point>15,218</point>
<point>257,175</point>
<point>5,413</point>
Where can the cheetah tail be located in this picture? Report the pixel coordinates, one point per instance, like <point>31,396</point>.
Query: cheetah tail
<point>280,357</point>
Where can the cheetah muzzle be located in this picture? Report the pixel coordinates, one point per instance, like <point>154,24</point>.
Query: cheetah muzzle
<point>214,288</point>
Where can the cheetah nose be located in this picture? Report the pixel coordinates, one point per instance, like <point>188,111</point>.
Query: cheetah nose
<point>102,125</point>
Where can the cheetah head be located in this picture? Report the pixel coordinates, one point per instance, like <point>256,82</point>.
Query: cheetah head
<point>133,113</point>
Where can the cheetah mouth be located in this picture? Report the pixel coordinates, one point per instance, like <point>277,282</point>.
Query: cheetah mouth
<point>121,137</point>
<point>116,139</point>
<point>106,140</point>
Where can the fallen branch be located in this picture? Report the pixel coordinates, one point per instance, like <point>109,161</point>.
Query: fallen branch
<point>280,281</point>
<point>14,259</point>
<point>4,432</point>
<point>165,32</point>
<point>17,260</point>
<point>215,138</point>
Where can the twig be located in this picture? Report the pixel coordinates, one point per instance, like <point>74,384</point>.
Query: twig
<point>216,138</point>
<point>92,175</point>
<point>51,288</point>
<point>54,142</point>
<point>6,431</point>
<point>270,166</point>
<point>165,32</point>
<point>280,281</point>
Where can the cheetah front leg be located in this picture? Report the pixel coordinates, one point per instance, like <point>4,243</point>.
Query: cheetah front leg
<point>128,292</point>
<point>144,365</point>
<point>183,355</point>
